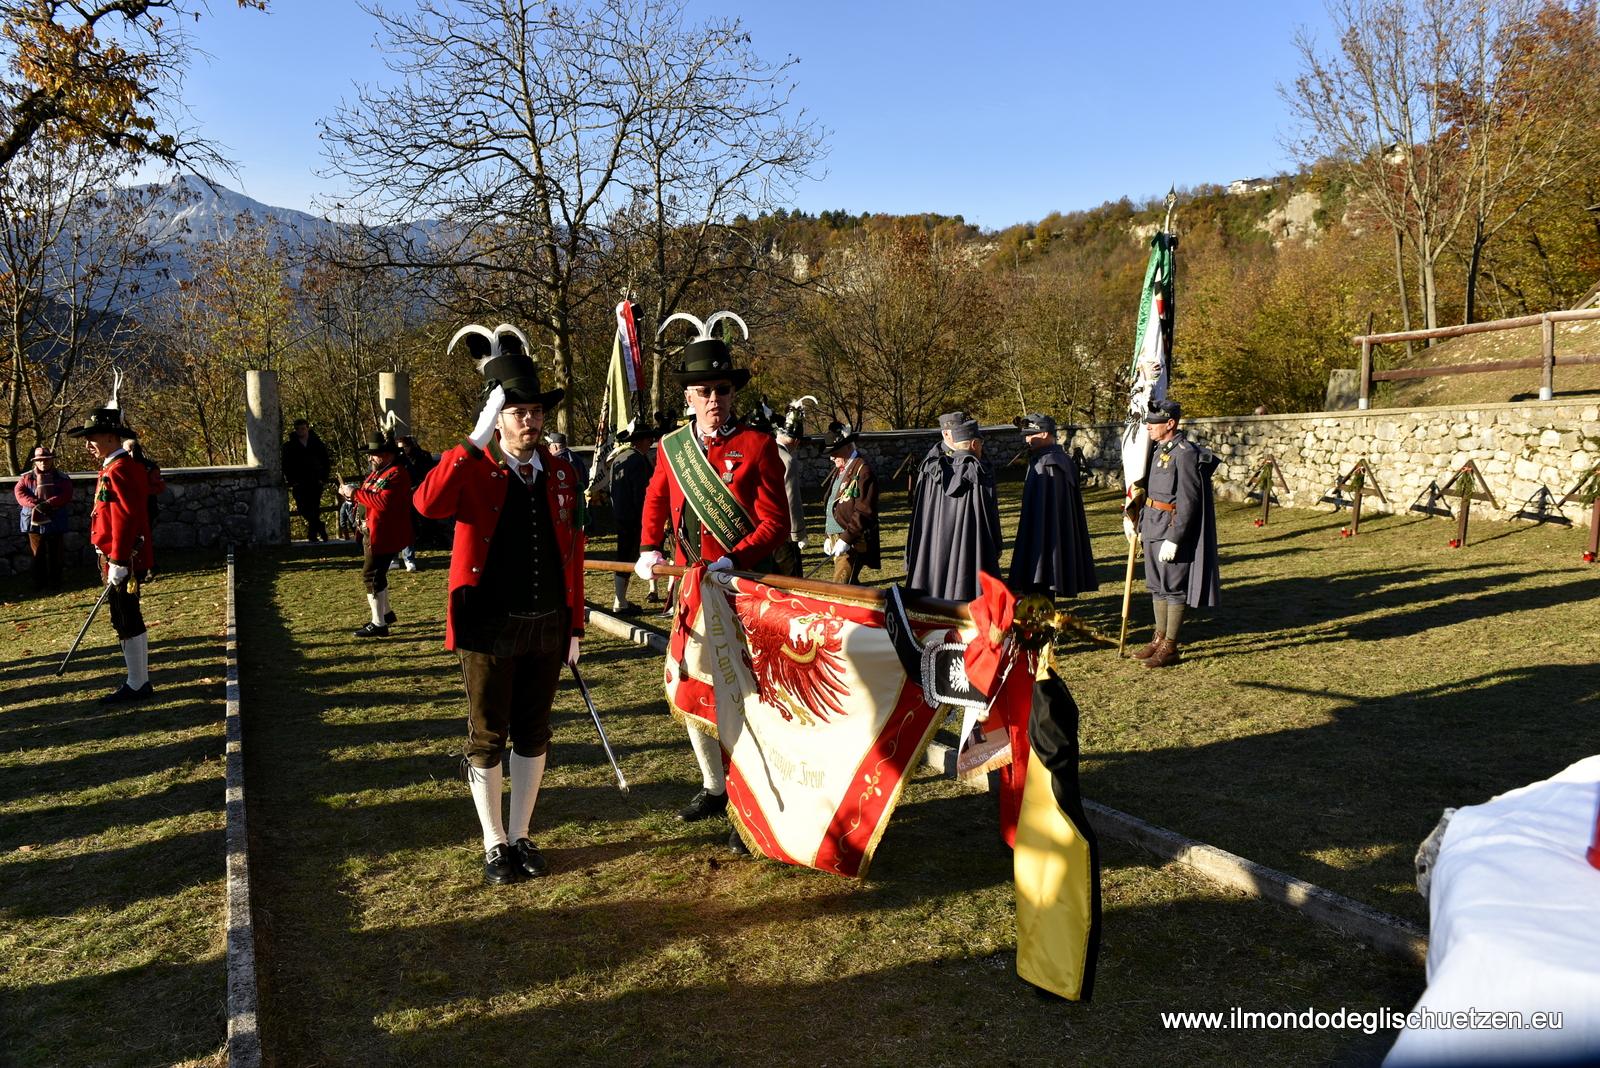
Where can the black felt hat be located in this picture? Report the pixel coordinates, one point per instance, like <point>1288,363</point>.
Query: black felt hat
<point>708,358</point>
<point>839,434</point>
<point>639,429</point>
<point>1163,411</point>
<point>380,443</point>
<point>102,421</point>
<point>502,357</point>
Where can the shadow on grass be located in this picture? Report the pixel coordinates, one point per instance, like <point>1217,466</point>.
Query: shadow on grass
<point>133,1023</point>
<point>1383,754</point>
<point>111,878</point>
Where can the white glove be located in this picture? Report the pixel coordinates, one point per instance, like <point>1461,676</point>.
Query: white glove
<point>483,432</point>
<point>827,545</point>
<point>116,574</point>
<point>1128,529</point>
<point>572,651</point>
<point>801,545</point>
<point>840,547</point>
<point>723,563</point>
<point>645,566</point>
<point>1169,552</point>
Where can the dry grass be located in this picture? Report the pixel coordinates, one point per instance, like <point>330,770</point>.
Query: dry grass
<point>111,887</point>
<point>1490,387</point>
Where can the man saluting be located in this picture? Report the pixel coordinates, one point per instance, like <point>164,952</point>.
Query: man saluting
<point>720,486</point>
<point>516,589</point>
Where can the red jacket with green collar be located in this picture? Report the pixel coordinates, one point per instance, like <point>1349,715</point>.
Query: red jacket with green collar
<point>386,495</point>
<point>470,485</point>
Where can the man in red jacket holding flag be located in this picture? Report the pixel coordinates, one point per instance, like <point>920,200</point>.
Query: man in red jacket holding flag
<point>516,589</point>
<point>720,487</point>
<point>119,530</point>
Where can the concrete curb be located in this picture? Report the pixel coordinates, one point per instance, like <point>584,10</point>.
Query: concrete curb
<point>1388,934</point>
<point>244,1037</point>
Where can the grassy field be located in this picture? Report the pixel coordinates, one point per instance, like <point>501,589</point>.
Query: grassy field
<point>650,943</point>
<point>111,855</point>
<point>1347,690</point>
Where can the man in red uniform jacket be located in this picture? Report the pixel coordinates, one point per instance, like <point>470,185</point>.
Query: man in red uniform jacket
<point>747,463</point>
<point>119,530</point>
<point>386,495</point>
<point>515,613</point>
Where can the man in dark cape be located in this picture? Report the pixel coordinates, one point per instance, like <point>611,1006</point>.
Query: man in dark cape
<point>955,521</point>
<point>1179,526</point>
<point>632,465</point>
<point>1052,553</point>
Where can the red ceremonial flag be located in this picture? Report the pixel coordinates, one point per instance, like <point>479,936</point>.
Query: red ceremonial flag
<point>819,720</point>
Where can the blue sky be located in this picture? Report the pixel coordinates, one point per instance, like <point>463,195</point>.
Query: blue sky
<point>999,111</point>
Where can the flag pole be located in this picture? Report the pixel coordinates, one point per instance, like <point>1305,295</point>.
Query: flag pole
<point>1127,595</point>
<point>933,607</point>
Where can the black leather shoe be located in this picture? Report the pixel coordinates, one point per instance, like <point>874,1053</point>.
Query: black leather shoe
<point>705,805</point>
<point>125,693</point>
<point>367,630</point>
<point>530,861</point>
<point>736,844</point>
<point>390,617</point>
<point>501,866</point>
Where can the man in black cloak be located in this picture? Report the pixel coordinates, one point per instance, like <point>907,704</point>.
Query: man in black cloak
<point>632,464</point>
<point>1052,554</point>
<point>1179,527</point>
<point>955,522</point>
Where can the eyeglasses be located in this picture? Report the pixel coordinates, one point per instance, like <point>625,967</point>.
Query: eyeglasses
<point>522,413</point>
<point>721,389</point>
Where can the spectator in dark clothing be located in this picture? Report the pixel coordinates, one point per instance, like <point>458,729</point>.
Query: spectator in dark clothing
<point>45,496</point>
<point>558,445</point>
<point>631,467</point>
<point>418,462</point>
<point>305,468</point>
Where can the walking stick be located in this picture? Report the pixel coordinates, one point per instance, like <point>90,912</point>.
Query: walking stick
<point>622,783</point>
<point>104,591</point>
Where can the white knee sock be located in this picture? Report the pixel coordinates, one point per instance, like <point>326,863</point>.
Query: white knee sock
<point>486,783</point>
<point>708,754</point>
<point>136,651</point>
<point>619,590</point>
<point>372,608</point>
<point>383,607</point>
<point>526,774</point>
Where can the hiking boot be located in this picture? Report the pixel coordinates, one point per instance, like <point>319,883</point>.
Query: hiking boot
<point>1150,650</point>
<point>1164,656</point>
<point>530,861</point>
<point>367,630</point>
<point>704,805</point>
<point>501,865</point>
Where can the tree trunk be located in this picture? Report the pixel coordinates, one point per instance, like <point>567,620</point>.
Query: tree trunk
<point>1474,263</point>
<point>1400,281</point>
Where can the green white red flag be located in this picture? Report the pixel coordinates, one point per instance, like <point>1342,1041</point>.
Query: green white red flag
<point>1152,355</point>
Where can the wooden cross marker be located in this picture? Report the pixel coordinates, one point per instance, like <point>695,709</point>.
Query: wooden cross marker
<point>1587,491</point>
<point>1357,484</point>
<point>1265,478</point>
<point>1468,484</point>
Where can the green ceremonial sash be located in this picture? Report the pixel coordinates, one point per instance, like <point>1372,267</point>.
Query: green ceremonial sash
<point>714,504</point>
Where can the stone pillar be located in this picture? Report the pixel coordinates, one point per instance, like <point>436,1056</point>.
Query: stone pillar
<point>394,395</point>
<point>269,508</point>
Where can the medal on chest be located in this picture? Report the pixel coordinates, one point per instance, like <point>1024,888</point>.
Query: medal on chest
<point>727,474</point>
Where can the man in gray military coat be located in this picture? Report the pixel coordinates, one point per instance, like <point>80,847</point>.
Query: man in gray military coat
<point>1178,525</point>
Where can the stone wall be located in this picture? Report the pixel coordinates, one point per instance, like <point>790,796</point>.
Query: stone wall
<point>202,507</point>
<point>1517,447</point>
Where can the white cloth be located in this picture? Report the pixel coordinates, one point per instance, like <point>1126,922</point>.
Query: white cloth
<point>574,648</point>
<point>645,566</point>
<point>483,430</point>
<point>486,784</point>
<point>708,754</point>
<point>1169,552</point>
<point>526,775</point>
<point>116,574</point>
<point>1129,531</point>
<point>136,653</point>
<point>373,610</point>
<point>1515,926</point>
